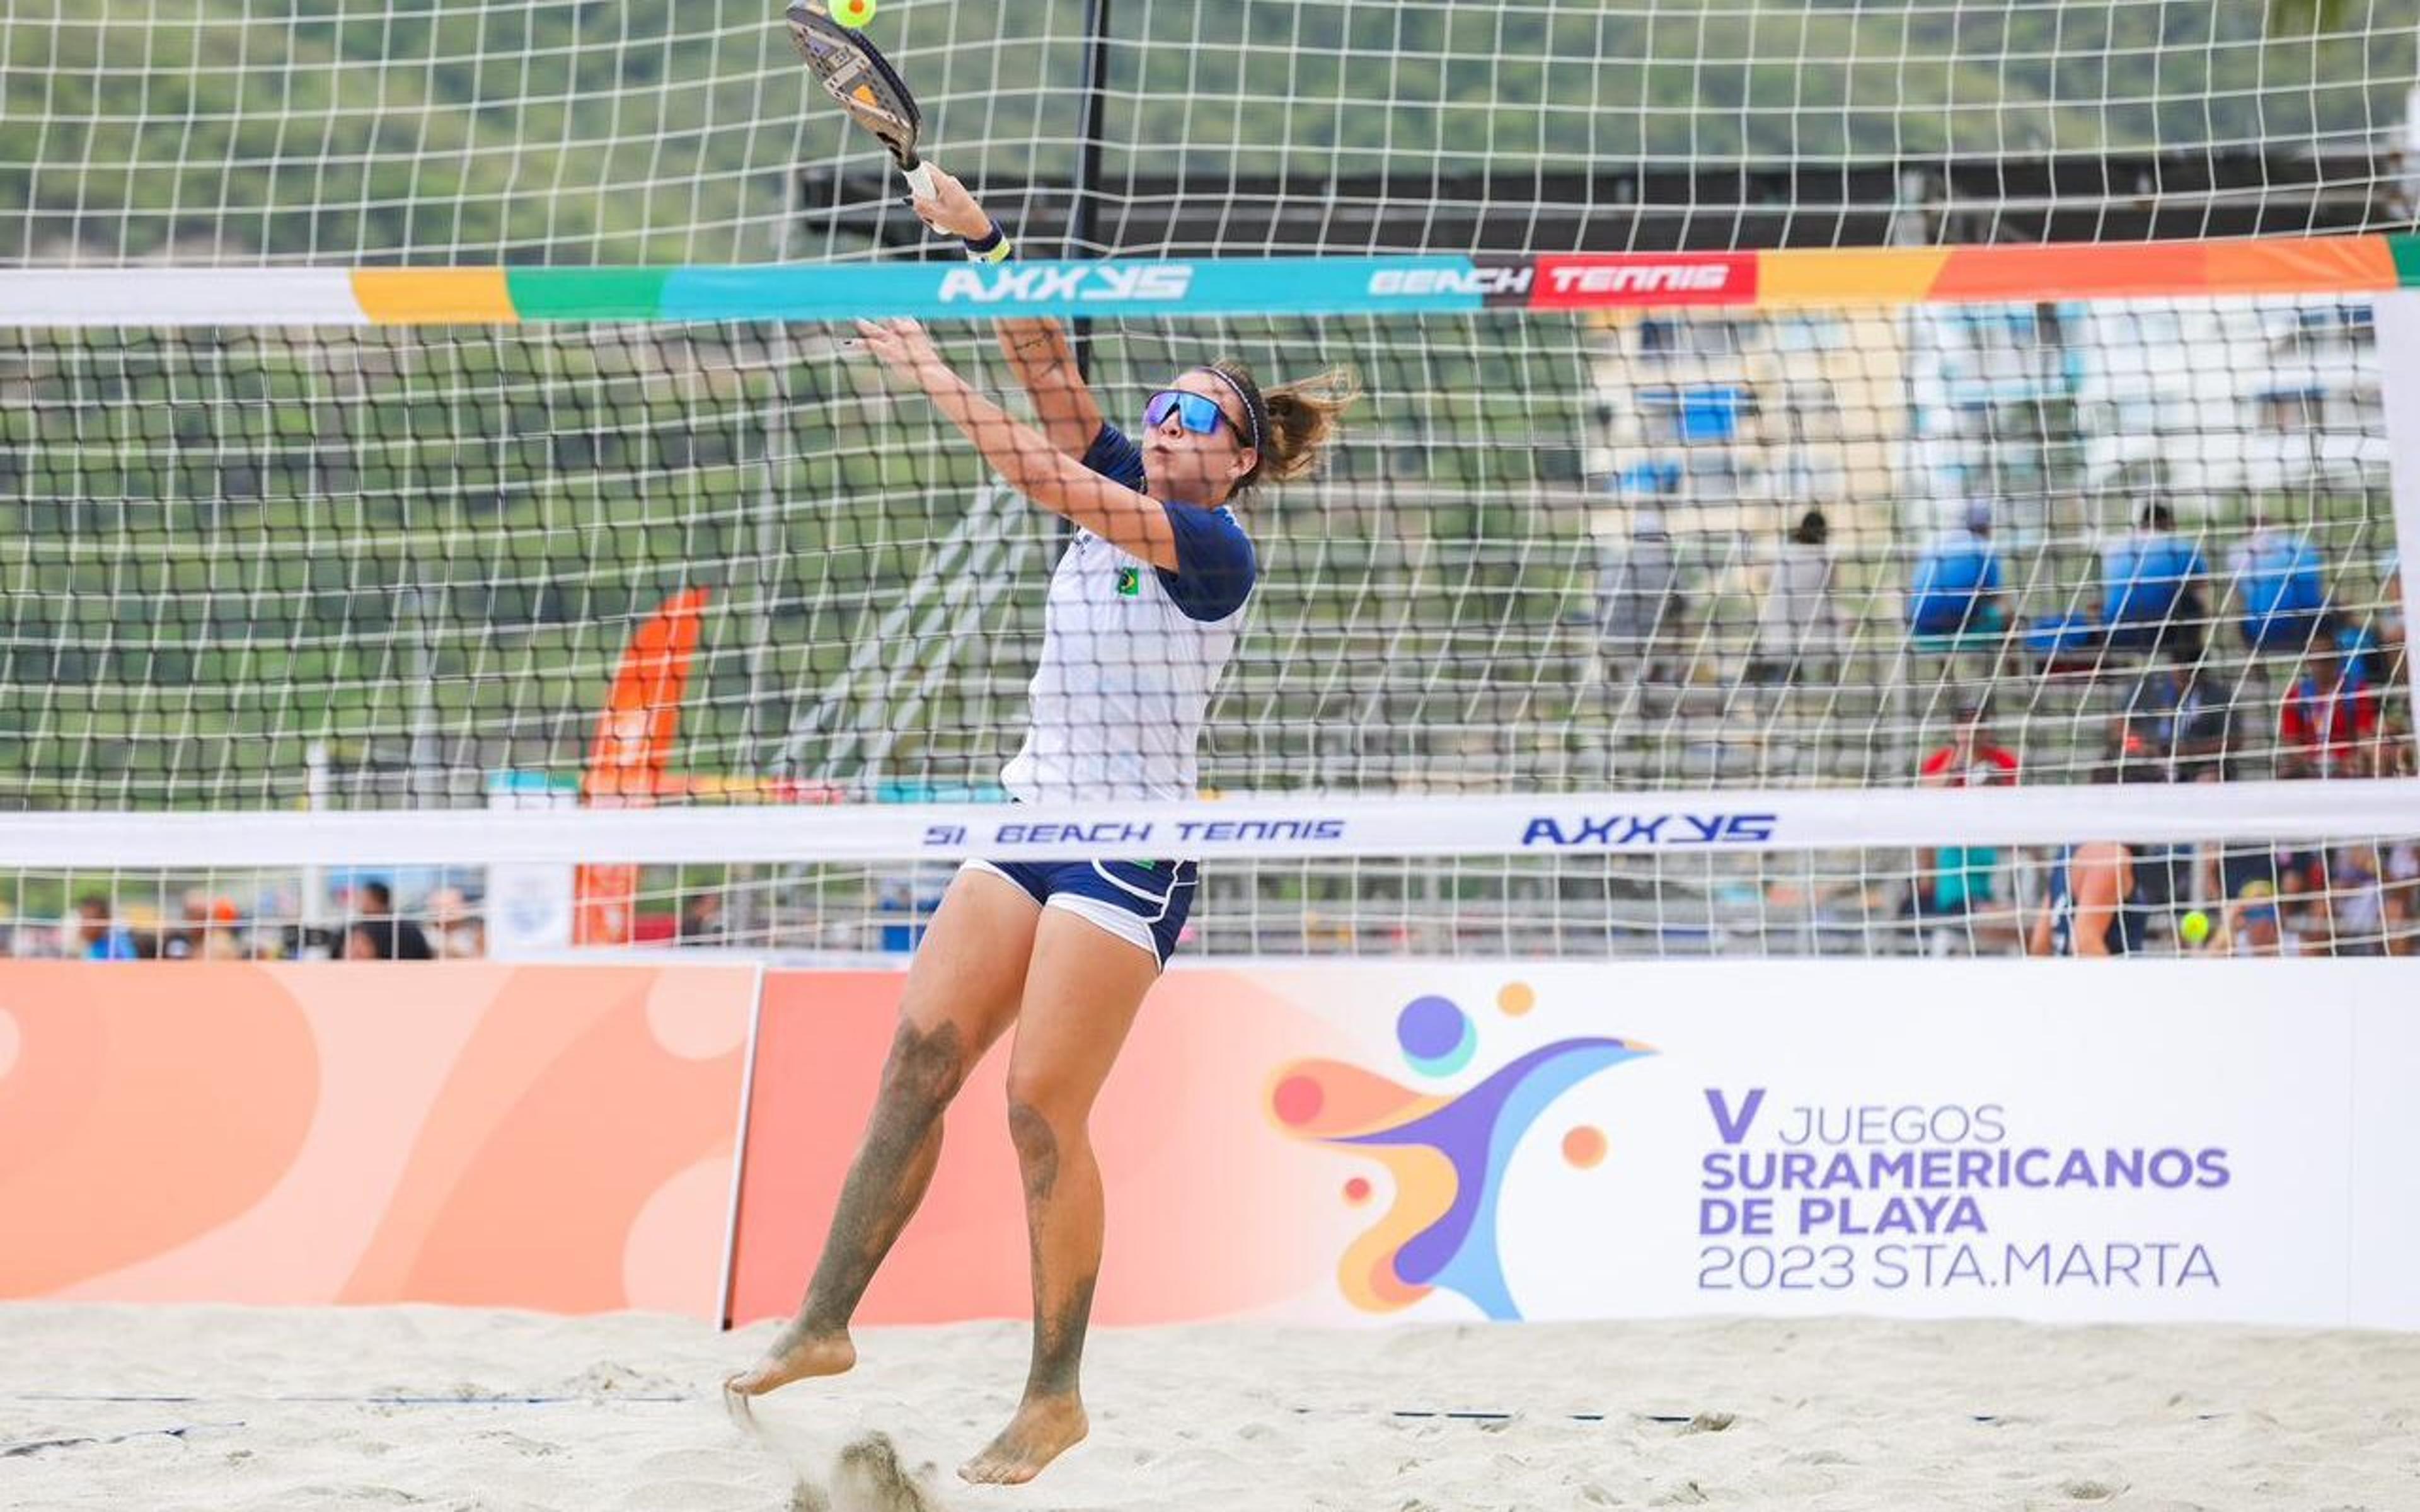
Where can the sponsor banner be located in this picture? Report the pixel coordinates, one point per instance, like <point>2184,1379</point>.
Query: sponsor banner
<point>1585,283</point>
<point>1212,1209</point>
<point>1208,287</point>
<point>554,1137</point>
<point>1320,285</point>
<point>2385,1201</point>
<point>1679,820</point>
<point>2164,1141</point>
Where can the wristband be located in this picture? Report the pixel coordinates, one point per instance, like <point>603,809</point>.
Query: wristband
<point>991,247</point>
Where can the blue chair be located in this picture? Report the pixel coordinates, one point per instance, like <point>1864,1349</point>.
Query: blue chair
<point>2064,642</point>
<point>1951,596</point>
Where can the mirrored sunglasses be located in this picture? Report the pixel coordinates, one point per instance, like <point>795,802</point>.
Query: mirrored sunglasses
<point>1196,412</point>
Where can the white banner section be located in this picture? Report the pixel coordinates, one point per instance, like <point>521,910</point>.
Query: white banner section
<point>2397,317</point>
<point>1536,824</point>
<point>2050,1140</point>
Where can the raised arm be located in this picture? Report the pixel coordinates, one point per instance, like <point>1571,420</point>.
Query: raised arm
<point>1037,350</point>
<point>1024,457</point>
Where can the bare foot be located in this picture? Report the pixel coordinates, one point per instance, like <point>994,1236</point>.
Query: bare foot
<point>1043,1428</point>
<point>795,1355</point>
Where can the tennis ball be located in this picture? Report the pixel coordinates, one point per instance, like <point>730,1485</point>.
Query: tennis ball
<point>852,12</point>
<point>2193,928</point>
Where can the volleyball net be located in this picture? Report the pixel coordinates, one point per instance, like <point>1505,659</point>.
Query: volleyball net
<point>1645,605</point>
<point>261,133</point>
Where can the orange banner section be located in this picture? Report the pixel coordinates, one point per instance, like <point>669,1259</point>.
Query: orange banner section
<point>434,296</point>
<point>552,1137</point>
<point>2295,266</point>
<point>2073,273</point>
<point>1209,1212</point>
<point>1889,276</point>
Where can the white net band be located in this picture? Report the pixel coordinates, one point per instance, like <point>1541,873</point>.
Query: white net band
<point>1736,820</point>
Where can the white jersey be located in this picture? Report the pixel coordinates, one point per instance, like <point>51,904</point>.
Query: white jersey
<point>1131,653</point>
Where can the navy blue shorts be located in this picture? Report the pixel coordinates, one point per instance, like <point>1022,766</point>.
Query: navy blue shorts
<point>1141,903</point>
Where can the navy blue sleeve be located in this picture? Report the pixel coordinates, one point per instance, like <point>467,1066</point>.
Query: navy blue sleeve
<point>1215,564</point>
<point>1115,457</point>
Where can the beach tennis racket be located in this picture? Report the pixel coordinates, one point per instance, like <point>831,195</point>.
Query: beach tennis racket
<point>856,74</point>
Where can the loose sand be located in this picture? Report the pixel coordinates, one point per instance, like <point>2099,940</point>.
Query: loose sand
<point>404,1406</point>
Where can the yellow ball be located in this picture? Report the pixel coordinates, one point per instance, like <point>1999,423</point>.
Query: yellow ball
<point>2193,928</point>
<point>852,12</point>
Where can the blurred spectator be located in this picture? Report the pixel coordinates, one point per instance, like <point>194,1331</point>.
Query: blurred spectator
<point>1797,623</point>
<point>2402,897</point>
<point>2199,732</point>
<point>2231,866</point>
<point>2281,587</point>
<point>1640,601</point>
<point>701,920</point>
<point>2253,926</point>
<point>223,940</point>
<point>207,930</point>
<point>185,941</point>
<point>377,934</point>
<point>2328,723</point>
<point>2356,901</point>
<point>1957,890</point>
<point>96,936</point>
<point>2181,720</point>
<point>2303,903</point>
<point>1972,757</point>
<point>2151,591</point>
<point>1958,885</point>
<point>1956,589</point>
<point>461,934</point>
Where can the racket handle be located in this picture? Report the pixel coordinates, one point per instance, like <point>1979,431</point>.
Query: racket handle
<point>920,179</point>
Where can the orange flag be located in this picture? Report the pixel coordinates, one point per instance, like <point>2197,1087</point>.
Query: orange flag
<point>635,735</point>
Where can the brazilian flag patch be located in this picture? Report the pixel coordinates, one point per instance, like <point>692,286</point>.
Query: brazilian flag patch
<point>1129,583</point>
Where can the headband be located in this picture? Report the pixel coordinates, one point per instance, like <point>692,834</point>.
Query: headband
<point>1251,416</point>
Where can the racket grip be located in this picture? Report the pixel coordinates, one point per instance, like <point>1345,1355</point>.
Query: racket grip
<point>920,179</point>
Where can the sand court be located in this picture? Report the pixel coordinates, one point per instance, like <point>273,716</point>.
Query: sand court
<point>265,1410</point>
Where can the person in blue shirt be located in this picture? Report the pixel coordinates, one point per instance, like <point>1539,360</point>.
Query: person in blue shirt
<point>97,937</point>
<point>2281,586</point>
<point>2151,589</point>
<point>1142,615</point>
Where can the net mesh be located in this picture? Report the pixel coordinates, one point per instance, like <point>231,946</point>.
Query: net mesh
<point>252,568</point>
<point>229,133</point>
<point>374,569</point>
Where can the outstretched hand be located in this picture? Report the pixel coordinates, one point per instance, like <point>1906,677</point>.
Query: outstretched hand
<point>950,210</point>
<point>906,348</point>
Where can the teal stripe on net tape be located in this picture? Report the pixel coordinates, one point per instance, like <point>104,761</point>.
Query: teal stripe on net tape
<point>1270,285</point>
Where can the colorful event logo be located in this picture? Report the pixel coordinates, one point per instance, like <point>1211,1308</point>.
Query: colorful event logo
<point>1446,1152</point>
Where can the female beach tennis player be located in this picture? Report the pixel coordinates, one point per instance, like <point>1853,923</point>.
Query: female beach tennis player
<point>1143,611</point>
